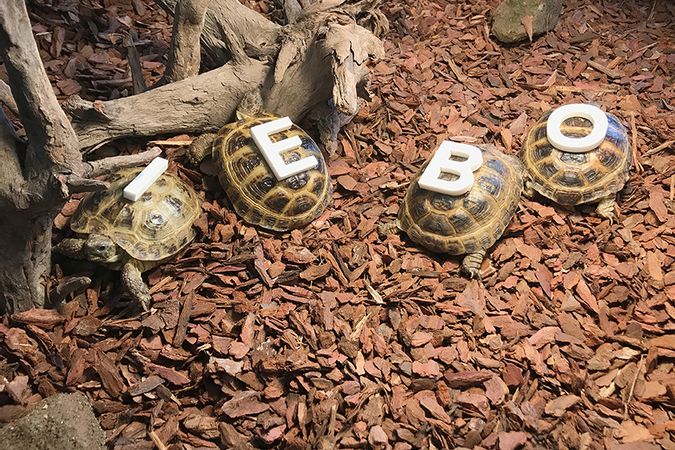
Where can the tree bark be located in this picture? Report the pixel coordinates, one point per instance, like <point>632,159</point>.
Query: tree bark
<point>25,264</point>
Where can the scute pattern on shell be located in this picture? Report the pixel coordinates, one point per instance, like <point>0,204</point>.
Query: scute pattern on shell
<point>252,188</point>
<point>576,178</point>
<point>469,222</point>
<point>155,227</point>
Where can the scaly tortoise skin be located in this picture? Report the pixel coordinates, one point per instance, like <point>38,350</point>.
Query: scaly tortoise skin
<point>134,236</point>
<point>470,223</point>
<point>576,178</point>
<point>251,186</point>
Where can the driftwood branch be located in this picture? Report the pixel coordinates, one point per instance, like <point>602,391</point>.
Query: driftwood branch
<point>196,104</point>
<point>185,55</point>
<point>88,183</point>
<point>113,163</point>
<point>76,184</point>
<point>320,59</point>
<point>53,143</point>
<point>230,18</point>
<point>7,98</point>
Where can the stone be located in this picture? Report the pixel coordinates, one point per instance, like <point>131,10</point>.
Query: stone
<point>62,421</point>
<point>507,19</point>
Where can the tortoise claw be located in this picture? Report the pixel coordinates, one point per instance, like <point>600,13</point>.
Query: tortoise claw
<point>385,229</point>
<point>145,302</point>
<point>473,274</point>
<point>133,282</point>
<point>471,264</point>
<point>605,209</point>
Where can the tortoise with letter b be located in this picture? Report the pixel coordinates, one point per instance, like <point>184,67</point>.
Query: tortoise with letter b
<point>462,207</point>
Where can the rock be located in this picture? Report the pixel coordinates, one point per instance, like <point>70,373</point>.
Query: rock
<point>510,17</point>
<point>58,422</point>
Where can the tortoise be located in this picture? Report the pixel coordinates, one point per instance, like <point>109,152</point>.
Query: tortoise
<point>133,236</point>
<point>576,178</point>
<point>467,224</point>
<point>248,181</point>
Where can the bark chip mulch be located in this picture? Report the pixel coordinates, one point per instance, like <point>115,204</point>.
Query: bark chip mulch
<point>336,337</point>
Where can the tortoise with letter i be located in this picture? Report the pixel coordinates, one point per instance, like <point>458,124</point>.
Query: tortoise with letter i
<point>133,236</point>
<point>249,181</point>
<point>470,223</point>
<point>572,178</point>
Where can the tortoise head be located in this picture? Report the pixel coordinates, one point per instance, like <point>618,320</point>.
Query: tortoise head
<point>101,249</point>
<point>250,105</point>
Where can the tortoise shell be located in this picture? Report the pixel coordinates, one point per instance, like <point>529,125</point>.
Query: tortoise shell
<point>155,227</point>
<point>575,178</point>
<point>468,222</point>
<point>251,186</point>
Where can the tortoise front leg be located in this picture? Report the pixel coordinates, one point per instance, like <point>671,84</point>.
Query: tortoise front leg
<point>71,247</point>
<point>606,208</point>
<point>471,263</point>
<point>387,228</point>
<point>133,282</point>
<point>199,149</point>
<point>528,190</point>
